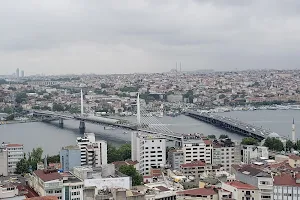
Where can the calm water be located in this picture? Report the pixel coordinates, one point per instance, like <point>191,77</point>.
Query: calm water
<point>52,138</point>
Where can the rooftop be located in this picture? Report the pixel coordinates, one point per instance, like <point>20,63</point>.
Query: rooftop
<point>198,192</point>
<point>285,179</point>
<point>294,157</point>
<point>193,164</point>
<point>47,175</point>
<point>71,147</point>
<point>14,145</point>
<point>240,185</point>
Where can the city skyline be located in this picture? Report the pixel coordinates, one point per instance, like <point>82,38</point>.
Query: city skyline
<point>148,36</point>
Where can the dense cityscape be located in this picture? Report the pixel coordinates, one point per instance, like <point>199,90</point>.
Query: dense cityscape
<point>200,166</point>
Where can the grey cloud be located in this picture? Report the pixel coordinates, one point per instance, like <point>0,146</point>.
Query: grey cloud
<point>141,36</point>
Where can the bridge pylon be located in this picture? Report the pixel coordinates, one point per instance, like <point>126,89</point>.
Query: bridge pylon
<point>82,127</point>
<point>61,122</point>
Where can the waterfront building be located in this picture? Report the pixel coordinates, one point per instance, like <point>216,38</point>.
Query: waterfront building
<point>149,150</point>
<point>199,168</point>
<point>96,153</point>
<point>286,186</point>
<point>93,152</point>
<point>3,162</point>
<point>252,153</point>
<point>238,190</point>
<point>224,154</point>
<point>102,177</point>
<point>175,159</point>
<point>70,157</point>
<point>15,152</point>
<point>256,177</point>
<point>196,148</point>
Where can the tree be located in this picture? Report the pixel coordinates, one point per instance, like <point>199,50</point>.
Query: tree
<point>297,145</point>
<point>10,117</point>
<point>289,145</point>
<point>21,97</point>
<point>35,157</point>
<point>249,141</point>
<point>129,170</point>
<point>125,151</point>
<point>211,136</point>
<point>22,166</point>
<point>120,154</point>
<point>53,159</point>
<point>223,136</point>
<point>274,144</point>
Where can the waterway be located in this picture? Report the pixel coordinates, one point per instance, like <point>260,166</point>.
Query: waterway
<point>51,138</point>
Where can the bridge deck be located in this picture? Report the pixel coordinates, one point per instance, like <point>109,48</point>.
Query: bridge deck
<point>230,124</point>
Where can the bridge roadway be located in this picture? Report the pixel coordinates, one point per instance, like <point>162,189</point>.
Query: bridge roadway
<point>52,116</point>
<point>230,124</point>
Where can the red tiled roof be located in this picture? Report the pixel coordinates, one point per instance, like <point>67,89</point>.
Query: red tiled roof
<point>285,179</point>
<point>47,176</point>
<point>193,164</point>
<point>207,142</point>
<point>44,198</point>
<point>240,185</point>
<point>198,191</point>
<point>147,176</point>
<point>14,145</point>
<point>294,157</point>
<point>162,188</point>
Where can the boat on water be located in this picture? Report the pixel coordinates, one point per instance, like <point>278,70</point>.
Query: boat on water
<point>108,128</point>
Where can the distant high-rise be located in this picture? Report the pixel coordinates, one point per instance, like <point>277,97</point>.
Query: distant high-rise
<point>17,73</point>
<point>22,74</point>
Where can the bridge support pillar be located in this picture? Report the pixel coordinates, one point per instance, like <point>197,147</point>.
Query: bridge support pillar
<point>61,122</point>
<point>82,127</point>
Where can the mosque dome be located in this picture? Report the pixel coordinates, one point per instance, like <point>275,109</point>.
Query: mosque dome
<point>273,135</point>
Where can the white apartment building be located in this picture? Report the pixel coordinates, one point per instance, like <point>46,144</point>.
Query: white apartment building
<point>286,187</point>
<point>93,152</point>
<point>251,153</point>
<point>8,191</point>
<point>82,142</point>
<point>239,191</point>
<point>3,162</point>
<point>149,150</point>
<point>96,153</point>
<point>175,159</point>
<point>195,148</point>
<point>14,154</point>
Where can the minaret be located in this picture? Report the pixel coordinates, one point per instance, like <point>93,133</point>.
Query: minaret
<point>81,102</point>
<point>138,109</point>
<point>294,131</point>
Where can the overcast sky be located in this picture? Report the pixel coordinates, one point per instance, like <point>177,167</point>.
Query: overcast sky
<point>127,36</point>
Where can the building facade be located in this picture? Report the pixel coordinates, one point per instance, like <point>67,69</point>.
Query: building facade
<point>15,152</point>
<point>240,191</point>
<point>82,142</point>
<point>3,162</point>
<point>70,157</point>
<point>251,153</point>
<point>286,187</point>
<point>195,148</point>
<point>96,153</point>
<point>224,154</point>
<point>175,159</point>
<point>198,169</point>
<point>148,150</point>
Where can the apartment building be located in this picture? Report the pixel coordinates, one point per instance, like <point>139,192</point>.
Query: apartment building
<point>15,152</point>
<point>82,142</point>
<point>195,148</point>
<point>199,168</point>
<point>70,157</point>
<point>256,177</point>
<point>92,152</point>
<point>238,190</point>
<point>149,150</point>
<point>286,187</point>
<point>3,162</point>
<point>96,153</point>
<point>175,159</point>
<point>46,182</point>
<point>251,153</point>
<point>224,154</point>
